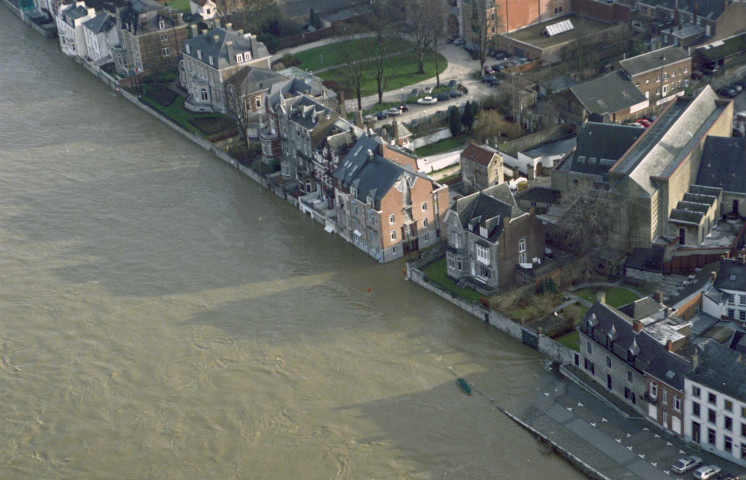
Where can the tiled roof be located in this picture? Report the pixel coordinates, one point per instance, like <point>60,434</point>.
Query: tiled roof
<point>723,164</point>
<point>653,60</point>
<point>103,22</point>
<point>721,369</point>
<point>477,154</point>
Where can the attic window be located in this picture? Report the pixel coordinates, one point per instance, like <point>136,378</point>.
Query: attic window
<point>188,48</point>
<point>732,278</point>
<point>592,161</point>
<point>370,200</point>
<point>239,58</point>
<point>161,24</point>
<point>199,54</point>
<point>210,60</point>
<point>581,159</point>
<point>483,231</point>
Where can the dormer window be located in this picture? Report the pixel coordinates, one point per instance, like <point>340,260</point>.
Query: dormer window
<point>370,200</point>
<point>239,58</point>
<point>210,60</point>
<point>483,231</point>
<point>199,54</point>
<point>161,24</point>
<point>188,48</point>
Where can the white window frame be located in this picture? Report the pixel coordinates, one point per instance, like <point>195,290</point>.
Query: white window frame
<point>239,58</point>
<point>483,254</point>
<point>393,235</point>
<point>392,219</point>
<point>522,257</point>
<point>424,206</point>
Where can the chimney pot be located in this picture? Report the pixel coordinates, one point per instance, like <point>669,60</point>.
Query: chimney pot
<point>601,297</point>
<point>669,346</point>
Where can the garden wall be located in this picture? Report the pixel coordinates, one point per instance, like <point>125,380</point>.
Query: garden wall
<point>554,350</point>
<point>432,138</point>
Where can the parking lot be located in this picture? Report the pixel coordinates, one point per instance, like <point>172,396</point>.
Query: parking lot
<point>619,447</point>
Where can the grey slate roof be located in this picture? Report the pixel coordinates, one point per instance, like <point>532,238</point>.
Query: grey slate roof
<point>101,23</point>
<point>252,79</point>
<point>609,93</point>
<point>350,165</point>
<point>723,164</point>
<point>653,60</point>
<point>731,275</point>
<point>150,12</point>
<point>603,142</point>
<point>640,308</point>
<point>487,209</point>
<point>223,46</point>
<point>722,369</point>
<point>669,368</point>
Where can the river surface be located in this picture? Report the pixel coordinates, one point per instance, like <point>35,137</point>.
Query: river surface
<point>164,317</point>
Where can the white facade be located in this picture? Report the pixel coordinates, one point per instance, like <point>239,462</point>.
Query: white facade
<point>98,42</point>
<point>715,421</point>
<point>205,8</point>
<point>732,305</point>
<point>70,28</point>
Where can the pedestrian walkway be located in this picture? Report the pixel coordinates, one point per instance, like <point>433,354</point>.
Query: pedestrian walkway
<point>597,438</point>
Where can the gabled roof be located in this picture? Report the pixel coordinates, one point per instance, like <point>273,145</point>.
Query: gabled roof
<point>669,368</point>
<point>350,165</point>
<point>222,46</point>
<point>559,146</point>
<point>609,93</point>
<point>641,308</point>
<point>653,60</point>
<point>478,154</point>
<point>600,145</point>
<point>723,164</point>
<point>101,23</point>
<point>731,275</point>
<point>488,209</point>
<point>665,144</point>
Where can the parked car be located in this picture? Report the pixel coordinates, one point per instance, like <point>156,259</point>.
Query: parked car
<point>491,81</point>
<point>415,92</point>
<point>403,107</point>
<point>637,124</point>
<point>459,41</point>
<point>501,55</point>
<point>728,476</point>
<point>369,118</point>
<point>455,93</point>
<point>488,70</point>
<point>707,472</point>
<point>644,122</point>
<point>394,111</point>
<point>382,114</point>
<point>710,69</point>
<point>685,464</point>
<point>428,89</point>
<point>427,101</point>
<point>443,96</point>
<point>728,92</point>
<point>452,84</point>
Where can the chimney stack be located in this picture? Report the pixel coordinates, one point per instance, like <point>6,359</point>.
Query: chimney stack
<point>695,361</point>
<point>658,296</point>
<point>713,276</point>
<point>229,26</point>
<point>669,346</point>
<point>637,326</point>
<point>669,312</point>
<point>601,297</point>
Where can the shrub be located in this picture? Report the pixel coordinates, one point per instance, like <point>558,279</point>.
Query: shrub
<point>212,125</point>
<point>163,96</point>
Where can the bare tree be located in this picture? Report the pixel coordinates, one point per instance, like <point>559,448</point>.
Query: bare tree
<point>586,224</point>
<point>353,69</point>
<point>256,15</point>
<point>419,29</point>
<point>381,67</point>
<point>485,23</point>
<point>435,20</point>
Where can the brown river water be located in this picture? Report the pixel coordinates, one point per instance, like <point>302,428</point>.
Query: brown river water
<point>164,317</point>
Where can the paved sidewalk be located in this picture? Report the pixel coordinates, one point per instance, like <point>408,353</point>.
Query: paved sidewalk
<point>609,443</point>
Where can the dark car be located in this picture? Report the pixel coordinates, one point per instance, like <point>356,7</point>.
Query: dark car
<point>492,81</point>
<point>501,55</point>
<point>455,93</point>
<point>382,114</point>
<point>452,84</point>
<point>488,79</point>
<point>403,107</point>
<point>443,96</point>
<point>729,92</point>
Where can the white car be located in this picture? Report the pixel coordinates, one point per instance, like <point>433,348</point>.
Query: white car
<point>427,101</point>
<point>685,464</point>
<point>706,472</point>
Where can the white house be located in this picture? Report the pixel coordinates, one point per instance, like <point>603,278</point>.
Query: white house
<point>205,8</point>
<point>70,20</point>
<point>727,297</point>
<point>715,398</point>
<point>537,161</point>
<point>100,32</point>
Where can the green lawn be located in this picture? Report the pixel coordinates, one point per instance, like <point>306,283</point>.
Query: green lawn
<point>446,145</point>
<point>404,67</point>
<point>436,273</point>
<point>570,340</point>
<point>179,114</point>
<point>328,55</point>
<point>615,296</point>
<point>180,5</point>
